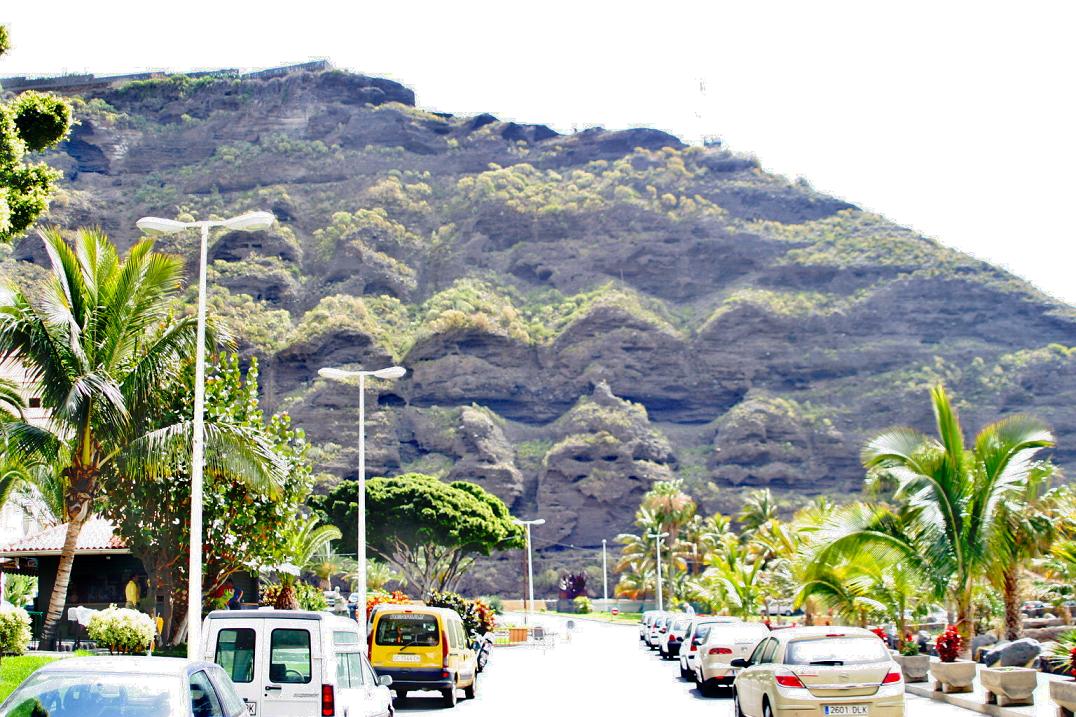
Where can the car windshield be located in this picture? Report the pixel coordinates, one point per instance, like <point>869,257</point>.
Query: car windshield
<point>407,629</point>
<point>836,651</point>
<point>87,694</point>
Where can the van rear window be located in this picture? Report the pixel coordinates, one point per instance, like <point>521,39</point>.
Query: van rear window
<point>407,629</point>
<point>235,653</point>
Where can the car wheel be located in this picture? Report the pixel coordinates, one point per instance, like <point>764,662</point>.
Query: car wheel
<point>736,711</point>
<point>448,697</point>
<point>471,690</point>
<point>685,674</point>
<point>766,711</point>
<point>401,694</point>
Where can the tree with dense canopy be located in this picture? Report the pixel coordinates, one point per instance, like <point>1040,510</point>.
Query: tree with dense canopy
<point>429,530</point>
<point>951,528</point>
<point>31,122</point>
<point>99,341</point>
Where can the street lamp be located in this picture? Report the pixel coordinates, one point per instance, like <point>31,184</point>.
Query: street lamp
<point>530,567</point>
<point>657,550</point>
<point>339,374</point>
<point>252,221</point>
<point>605,578</point>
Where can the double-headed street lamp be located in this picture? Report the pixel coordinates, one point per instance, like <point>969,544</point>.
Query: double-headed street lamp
<point>657,550</point>
<point>252,221</point>
<point>530,569</point>
<point>339,374</point>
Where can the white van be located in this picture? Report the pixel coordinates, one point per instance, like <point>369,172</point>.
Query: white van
<point>295,663</point>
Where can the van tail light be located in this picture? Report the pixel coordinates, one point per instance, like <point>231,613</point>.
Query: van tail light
<point>328,701</point>
<point>719,651</point>
<point>694,647</point>
<point>444,650</point>
<point>788,680</point>
<point>892,678</point>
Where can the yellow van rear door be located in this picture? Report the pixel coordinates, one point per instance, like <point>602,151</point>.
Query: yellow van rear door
<point>407,639</point>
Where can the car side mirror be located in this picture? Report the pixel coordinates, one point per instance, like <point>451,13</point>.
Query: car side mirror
<point>384,680</point>
<point>740,662</point>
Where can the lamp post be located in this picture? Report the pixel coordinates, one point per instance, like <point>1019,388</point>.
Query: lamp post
<point>252,221</point>
<point>605,577</point>
<point>339,374</point>
<point>657,550</point>
<point>530,566</point>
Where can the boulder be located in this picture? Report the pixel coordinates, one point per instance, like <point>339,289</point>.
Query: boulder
<point>980,641</point>
<point>1018,653</point>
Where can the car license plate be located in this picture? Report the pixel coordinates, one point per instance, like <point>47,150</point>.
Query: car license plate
<point>410,658</point>
<point>847,710</point>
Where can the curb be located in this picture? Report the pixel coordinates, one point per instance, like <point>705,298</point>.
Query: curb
<point>969,701</point>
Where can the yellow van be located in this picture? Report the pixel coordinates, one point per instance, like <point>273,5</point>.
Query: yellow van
<point>423,648</point>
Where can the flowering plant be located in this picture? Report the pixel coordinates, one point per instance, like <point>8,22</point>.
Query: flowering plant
<point>949,644</point>
<point>14,630</point>
<point>1063,654</point>
<point>122,630</point>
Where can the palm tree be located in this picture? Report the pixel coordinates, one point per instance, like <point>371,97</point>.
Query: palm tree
<point>758,508</point>
<point>379,574</point>
<point>303,544</point>
<point>1027,522</point>
<point>842,589</point>
<point>97,344</point>
<point>949,529</point>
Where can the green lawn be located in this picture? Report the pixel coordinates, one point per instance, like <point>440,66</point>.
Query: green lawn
<point>630,617</point>
<point>13,670</point>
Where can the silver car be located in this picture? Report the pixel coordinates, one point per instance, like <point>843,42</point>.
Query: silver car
<point>109,686</point>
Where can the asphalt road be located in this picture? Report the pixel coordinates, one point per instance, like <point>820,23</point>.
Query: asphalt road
<point>604,670</point>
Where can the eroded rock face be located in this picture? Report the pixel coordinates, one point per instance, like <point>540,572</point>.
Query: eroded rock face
<point>606,456</point>
<point>485,455</point>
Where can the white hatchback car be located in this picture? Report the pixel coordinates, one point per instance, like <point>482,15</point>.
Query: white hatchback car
<point>658,627</point>
<point>725,643</point>
<point>644,623</point>
<point>694,637</point>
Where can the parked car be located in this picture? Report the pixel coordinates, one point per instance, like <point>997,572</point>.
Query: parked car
<point>828,671</point>
<point>645,620</point>
<point>724,643</point>
<point>1034,608</point>
<point>669,648</point>
<point>296,663</point>
<point>143,686</point>
<point>658,629</point>
<point>424,648</point>
<point>695,636</point>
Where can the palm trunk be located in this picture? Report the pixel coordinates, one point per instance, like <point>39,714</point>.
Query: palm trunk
<point>63,578</point>
<point>1014,621</point>
<point>964,621</point>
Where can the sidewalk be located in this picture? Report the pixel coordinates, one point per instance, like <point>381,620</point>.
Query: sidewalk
<point>976,699</point>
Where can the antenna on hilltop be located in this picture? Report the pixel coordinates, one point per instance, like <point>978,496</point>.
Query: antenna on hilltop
<point>708,139</point>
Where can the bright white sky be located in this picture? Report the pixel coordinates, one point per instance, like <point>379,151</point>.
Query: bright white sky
<point>954,118</point>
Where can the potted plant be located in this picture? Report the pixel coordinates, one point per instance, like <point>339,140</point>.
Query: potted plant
<point>951,674</point>
<point>914,665</point>
<point>1063,657</point>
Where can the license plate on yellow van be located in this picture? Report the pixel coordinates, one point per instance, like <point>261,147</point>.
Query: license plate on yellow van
<point>415,658</point>
<point>847,710</point>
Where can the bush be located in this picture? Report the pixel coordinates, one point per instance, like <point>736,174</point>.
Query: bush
<point>582,604</point>
<point>910,648</point>
<point>495,603</point>
<point>14,630</point>
<point>309,596</point>
<point>1062,655</point>
<point>477,616</point>
<point>385,598</point>
<point>948,644</point>
<point>122,630</point>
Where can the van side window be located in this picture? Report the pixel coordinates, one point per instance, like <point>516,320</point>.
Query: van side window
<point>451,634</point>
<point>461,635</point>
<point>349,670</point>
<point>235,653</point>
<point>345,637</point>
<point>289,656</point>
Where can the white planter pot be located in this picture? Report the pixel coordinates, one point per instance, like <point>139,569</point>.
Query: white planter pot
<point>915,667</point>
<point>1009,685</point>
<point>953,676</point>
<point>1063,693</point>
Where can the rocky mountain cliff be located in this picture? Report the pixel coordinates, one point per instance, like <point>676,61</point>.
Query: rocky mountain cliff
<point>581,315</point>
